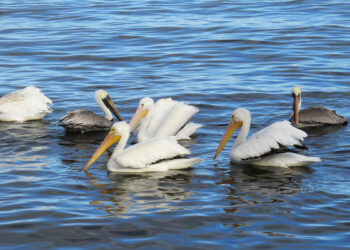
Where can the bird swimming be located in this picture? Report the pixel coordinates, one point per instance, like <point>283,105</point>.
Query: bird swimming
<point>24,105</point>
<point>156,154</point>
<point>84,120</point>
<point>267,147</point>
<point>166,117</point>
<point>314,116</point>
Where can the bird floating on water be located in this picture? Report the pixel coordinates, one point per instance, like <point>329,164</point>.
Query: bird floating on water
<point>166,117</point>
<point>24,105</point>
<point>155,154</point>
<point>314,116</point>
<point>268,146</point>
<point>84,120</point>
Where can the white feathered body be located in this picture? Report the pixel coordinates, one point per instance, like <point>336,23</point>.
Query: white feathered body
<point>284,160</point>
<point>277,136</point>
<point>169,118</point>
<point>24,105</point>
<point>156,154</point>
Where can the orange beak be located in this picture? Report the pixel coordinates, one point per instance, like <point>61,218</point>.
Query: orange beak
<point>231,128</point>
<point>139,114</point>
<point>109,140</point>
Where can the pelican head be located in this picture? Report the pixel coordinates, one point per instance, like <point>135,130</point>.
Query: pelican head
<point>239,116</point>
<point>104,100</point>
<point>145,105</point>
<point>296,93</point>
<point>116,132</point>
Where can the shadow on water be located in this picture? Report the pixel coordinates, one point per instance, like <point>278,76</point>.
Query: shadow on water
<point>319,131</point>
<point>145,193</point>
<point>72,139</point>
<point>75,146</point>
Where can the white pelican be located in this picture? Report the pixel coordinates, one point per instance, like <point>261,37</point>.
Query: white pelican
<point>267,147</point>
<point>83,120</point>
<point>156,154</point>
<point>164,118</point>
<point>24,105</point>
<point>314,116</point>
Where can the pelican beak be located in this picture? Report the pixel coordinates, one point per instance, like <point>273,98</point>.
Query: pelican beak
<point>296,107</point>
<point>110,105</point>
<point>231,128</point>
<point>139,114</point>
<point>109,140</point>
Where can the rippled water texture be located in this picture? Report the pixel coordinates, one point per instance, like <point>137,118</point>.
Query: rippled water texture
<point>217,55</point>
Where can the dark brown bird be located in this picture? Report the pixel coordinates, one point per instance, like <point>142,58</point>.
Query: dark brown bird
<point>314,116</point>
<point>83,120</point>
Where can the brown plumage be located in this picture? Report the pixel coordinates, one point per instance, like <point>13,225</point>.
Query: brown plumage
<point>314,116</point>
<point>82,121</point>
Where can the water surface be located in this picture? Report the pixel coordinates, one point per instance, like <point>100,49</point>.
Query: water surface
<point>217,55</point>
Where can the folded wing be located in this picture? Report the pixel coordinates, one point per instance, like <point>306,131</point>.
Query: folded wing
<point>276,136</point>
<point>151,151</point>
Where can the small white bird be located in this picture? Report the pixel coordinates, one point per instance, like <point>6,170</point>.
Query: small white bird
<point>314,116</point>
<point>268,146</point>
<point>156,154</point>
<point>24,105</point>
<point>164,118</point>
<point>84,120</point>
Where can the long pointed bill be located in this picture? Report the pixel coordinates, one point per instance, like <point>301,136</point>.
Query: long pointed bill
<point>231,128</point>
<point>110,105</point>
<point>109,140</point>
<point>296,105</point>
<point>139,114</point>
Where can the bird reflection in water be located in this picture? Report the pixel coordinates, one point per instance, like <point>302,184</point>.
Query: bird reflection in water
<point>80,143</point>
<point>128,194</point>
<point>29,144</point>
<point>252,185</point>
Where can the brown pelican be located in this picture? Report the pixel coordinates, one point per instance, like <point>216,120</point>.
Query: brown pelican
<point>83,120</point>
<point>24,105</point>
<point>314,116</point>
<point>166,117</point>
<point>156,154</point>
<point>267,147</point>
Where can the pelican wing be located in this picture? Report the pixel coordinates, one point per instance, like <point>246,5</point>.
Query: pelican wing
<point>187,131</point>
<point>320,115</point>
<point>151,151</point>
<point>84,117</point>
<point>160,112</point>
<point>274,137</point>
<point>176,118</point>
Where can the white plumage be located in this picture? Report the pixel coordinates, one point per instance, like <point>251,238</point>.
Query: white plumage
<point>24,105</point>
<point>164,118</point>
<point>272,137</point>
<point>156,154</point>
<point>150,151</point>
<point>266,146</point>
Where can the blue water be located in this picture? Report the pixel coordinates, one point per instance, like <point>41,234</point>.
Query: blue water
<point>217,55</point>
